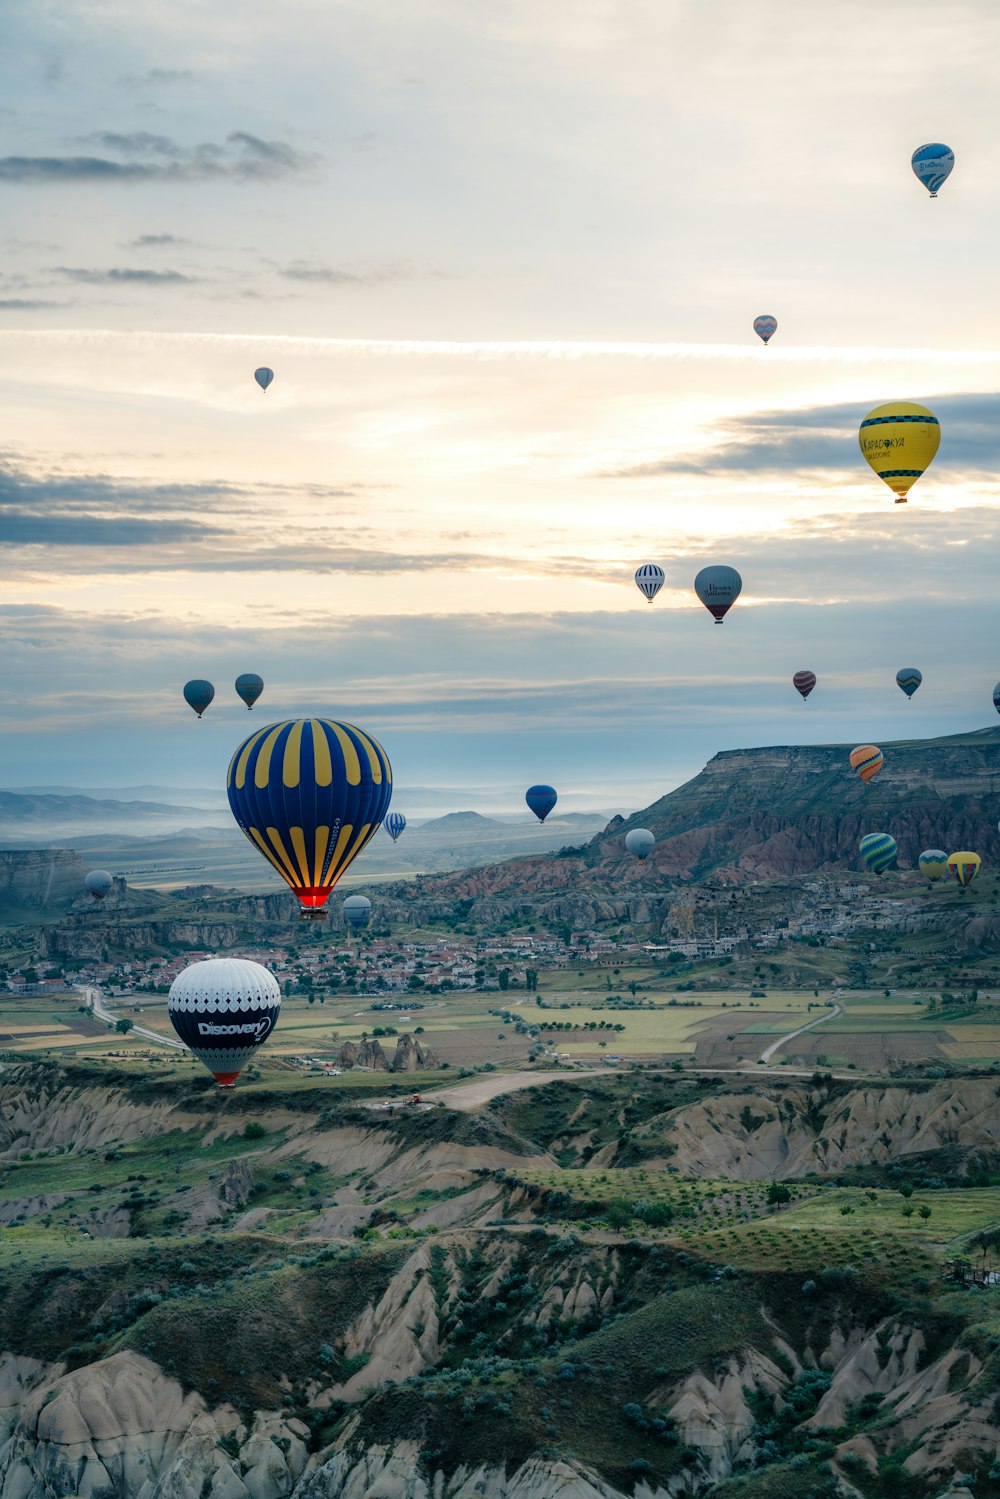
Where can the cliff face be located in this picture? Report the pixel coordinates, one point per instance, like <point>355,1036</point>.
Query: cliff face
<point>760,814</point>
<point>38,881</point>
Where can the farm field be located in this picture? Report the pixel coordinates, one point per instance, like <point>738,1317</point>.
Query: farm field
<point>820,1224</point>
<point>876,1033</point>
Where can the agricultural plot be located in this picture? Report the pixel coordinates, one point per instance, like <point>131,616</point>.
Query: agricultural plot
<point>734,1222</point>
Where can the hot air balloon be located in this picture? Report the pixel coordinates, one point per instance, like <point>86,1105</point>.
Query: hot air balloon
<point>765,326</point>
<point>899,441</point>
<point>996,697</point>
<point>640,841</point>
<point>878,850</point>
<point>249,687</point>
<point>932,165</point>
<point>98,883</point>
<point>224,1009</point>
<point>804,682</point>
<point>649,579</point>
<point>933,863</point>
<point>394,824</point>
<point>541,800</point>
<point>309,793</point>
<point>718,588</point>
<point>908,679</point>
<point>964,867</point>
<point>867,760</point>
<point>263,376</point>
<point>357,910</point>
<point>198,694</point>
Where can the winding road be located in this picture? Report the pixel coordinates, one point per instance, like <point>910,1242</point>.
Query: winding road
<point>95,999</point>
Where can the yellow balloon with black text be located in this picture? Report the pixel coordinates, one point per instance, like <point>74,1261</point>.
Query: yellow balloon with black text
<point>899,441</point>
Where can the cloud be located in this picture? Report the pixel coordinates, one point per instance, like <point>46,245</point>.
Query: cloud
<point>156,158</point>
<point>338,276</point>
<point>157,241</point>
<point>26,304</point>
<point>121,276</point>
<point>22,528</point>
<point>825,437</point>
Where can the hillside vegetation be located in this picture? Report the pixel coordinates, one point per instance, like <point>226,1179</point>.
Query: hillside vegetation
<point>642,1280</point>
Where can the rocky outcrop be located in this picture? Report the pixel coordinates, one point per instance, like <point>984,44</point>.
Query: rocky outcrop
<point>411,1056</point>
<point>38,880</point>
<point>806,1130</point>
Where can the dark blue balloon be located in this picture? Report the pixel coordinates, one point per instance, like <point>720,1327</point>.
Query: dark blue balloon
<point>198,694</point>
<point>309,794</point>
<point>541,800</point>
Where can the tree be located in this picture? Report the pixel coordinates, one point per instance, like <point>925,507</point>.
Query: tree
<point>123,1026</point>
<point>924,1211</point>
<point>503,978</point>
<point>531,979</point>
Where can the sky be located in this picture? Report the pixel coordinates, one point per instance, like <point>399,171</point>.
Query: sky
<point>504,262</point>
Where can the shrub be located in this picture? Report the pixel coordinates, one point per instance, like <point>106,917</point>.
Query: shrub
<point>254,1130</point>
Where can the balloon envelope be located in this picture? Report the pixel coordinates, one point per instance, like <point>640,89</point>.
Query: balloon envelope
<point>718,587</point>
<point>867,760</point>
<point>804,682</point>
<point>640,841</point>
<point>908,679</point>
<point>541,800</point>
<point>765,326</point>
<point>932,165</point>
<point>309,793</point>
<point>996,697</point>
<point>357,910</point>
<point>249,687</point>
<point>649,579</point>
<point>263,376</point>
<point>98,883</point>
<point>223,1009</point>
<point>394,824</point>
<point>198,694</point>
<point>933,863</point>
<point>898,441</point>
<point>878,851</point>
<point>964,867</point>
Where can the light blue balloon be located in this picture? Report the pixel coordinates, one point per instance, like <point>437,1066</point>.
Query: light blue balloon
<point>932,164</point>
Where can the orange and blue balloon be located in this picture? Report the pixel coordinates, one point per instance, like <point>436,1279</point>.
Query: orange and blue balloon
<point>309,794</point>
<point>867,760</point>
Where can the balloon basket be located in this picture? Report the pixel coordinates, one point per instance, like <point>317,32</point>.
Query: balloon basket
<point>317,913</point>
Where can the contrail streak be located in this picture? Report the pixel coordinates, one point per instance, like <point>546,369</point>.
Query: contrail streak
<point>491,348</point>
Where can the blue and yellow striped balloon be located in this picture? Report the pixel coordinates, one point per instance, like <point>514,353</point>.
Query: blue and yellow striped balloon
<point>878,851</point>
<point>309,793</point>
<point>908,679</point>
<point>933,863</point>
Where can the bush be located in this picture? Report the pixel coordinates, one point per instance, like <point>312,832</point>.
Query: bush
<point>254,1131</point>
